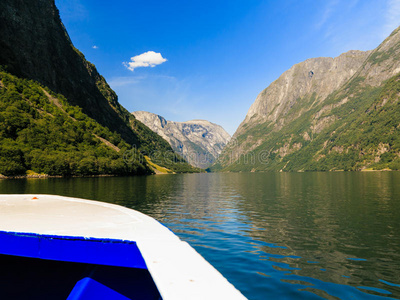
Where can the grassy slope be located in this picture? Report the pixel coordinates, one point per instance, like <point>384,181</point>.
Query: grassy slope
<point>40,135</point>
<point>157,169</point>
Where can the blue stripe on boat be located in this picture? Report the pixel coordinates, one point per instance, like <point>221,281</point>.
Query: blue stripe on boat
<point>108,252</point>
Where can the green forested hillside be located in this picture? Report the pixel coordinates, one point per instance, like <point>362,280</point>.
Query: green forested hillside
<point>40,131</point>
<point>47,56</point>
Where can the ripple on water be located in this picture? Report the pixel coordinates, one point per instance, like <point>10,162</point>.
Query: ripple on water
<point>273,235</point>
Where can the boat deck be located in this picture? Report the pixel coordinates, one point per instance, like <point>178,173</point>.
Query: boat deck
<point>109,235</point>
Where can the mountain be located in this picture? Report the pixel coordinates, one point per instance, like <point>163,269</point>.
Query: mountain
<point>200,142</point>
<point>338,113</point>
<point>42,134</point>
<point>34,45</point>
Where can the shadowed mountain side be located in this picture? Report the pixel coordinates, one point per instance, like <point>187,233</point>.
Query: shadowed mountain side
<point>35,45</point>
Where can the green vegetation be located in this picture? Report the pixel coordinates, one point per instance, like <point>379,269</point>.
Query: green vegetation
<point>38,136</point>
<point>55,136</point>
<point>50,136</point>
<point>378,57</point>
<point>159,169</point>
<point>360,133</point>
<point>355,128</point>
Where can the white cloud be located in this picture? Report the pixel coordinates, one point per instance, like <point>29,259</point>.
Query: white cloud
<point>95,47</point>
<point>147,59</point>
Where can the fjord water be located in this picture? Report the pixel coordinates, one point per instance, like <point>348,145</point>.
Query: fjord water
<point>273,235</point>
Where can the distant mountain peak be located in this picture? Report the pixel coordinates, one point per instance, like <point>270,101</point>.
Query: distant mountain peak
<point>199,141</point>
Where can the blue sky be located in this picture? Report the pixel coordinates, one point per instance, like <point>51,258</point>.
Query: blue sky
<point>210,59</point>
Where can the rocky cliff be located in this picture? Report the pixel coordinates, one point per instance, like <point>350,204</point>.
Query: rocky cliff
<point>35,45</point>
<point>319,76</point>
<point>200,142</point>
<point>324,114</point>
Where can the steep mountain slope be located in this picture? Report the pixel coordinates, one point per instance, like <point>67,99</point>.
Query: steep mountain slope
<point>198,141</point>
<point>35,45</point>
<point>41,133</point>
<point>324,114</point>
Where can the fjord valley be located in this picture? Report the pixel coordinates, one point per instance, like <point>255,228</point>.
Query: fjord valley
<point>58,114</point>
<point>263,201</point>
<point>200,142</point>
<point>325,114</point>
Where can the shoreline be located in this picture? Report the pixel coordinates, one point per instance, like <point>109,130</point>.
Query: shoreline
<point>45,176</point>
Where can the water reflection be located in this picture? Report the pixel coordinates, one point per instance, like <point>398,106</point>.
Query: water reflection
<point>273,235</point>
<point>327,218</point>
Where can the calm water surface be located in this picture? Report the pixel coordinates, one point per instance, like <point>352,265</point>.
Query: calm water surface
<point>273,235</point>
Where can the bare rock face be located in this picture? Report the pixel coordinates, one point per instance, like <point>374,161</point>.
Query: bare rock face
<point>301,120</point>
<point>200,142</point>
<point>319,76</point>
